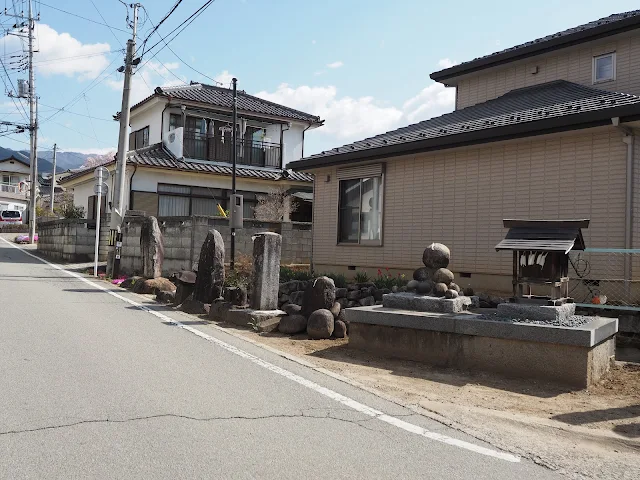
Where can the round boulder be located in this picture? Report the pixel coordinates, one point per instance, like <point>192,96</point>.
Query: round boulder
<point>450,294</point>
<point>439,289</point>
<point>320,294</point>
<point>422,274</point>
<point>436,256</point>
<point>413,284</point>
<point>425,287</point>
<point>291,324</point>
<point>455,286</point>
<point>443,275</point>
<point>340,329</point>
<point>320,324</point>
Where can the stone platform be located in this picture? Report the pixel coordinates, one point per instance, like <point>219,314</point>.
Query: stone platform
<point>427,303</point>
<point>574,356</point>
<point>545,313</point>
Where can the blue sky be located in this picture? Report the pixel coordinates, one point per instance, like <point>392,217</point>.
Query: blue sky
<point>362,65</point>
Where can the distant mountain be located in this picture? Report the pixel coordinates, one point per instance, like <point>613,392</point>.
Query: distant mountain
<point>64,160</point>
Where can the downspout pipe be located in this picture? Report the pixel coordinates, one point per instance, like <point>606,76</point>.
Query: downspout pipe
<point>629,140</point>
<point>302,153</point>
<point>135,169</point>
<point>282,130</point>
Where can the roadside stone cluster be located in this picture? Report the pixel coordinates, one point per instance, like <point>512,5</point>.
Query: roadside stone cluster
<point>435,278</point>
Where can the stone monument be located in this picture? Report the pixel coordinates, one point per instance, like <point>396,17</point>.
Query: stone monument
<point>152,247</point>
<point>210,276</point>
<point>267,247</point>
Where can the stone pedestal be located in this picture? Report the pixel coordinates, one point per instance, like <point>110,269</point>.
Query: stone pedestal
<point>210,276</point>
<point>152,247</point>
<point>427,303</point>
<point>266,271</point>
<point>545,313</point>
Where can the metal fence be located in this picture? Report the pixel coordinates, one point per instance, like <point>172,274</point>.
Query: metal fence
<point>604,278</point>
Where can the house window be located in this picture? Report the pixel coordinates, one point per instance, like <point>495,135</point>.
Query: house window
<point>182,201</point>
<point>360,211</point>
<point>139,138</point>
<point>175,121</point>
<point>604,68</point>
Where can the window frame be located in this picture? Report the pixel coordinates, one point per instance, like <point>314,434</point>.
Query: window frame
<point>141,133</point>
<point>193,193</point>
<point>594,69</point>
<point>362,243</point>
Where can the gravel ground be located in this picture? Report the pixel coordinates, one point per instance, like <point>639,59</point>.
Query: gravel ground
<point>572,321</point>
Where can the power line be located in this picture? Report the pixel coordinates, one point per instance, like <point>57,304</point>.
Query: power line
<point>180,58</point>
<point>105,22</point>
<point>76,113</point>
<point>155,27</point>
<point>184,25</point>
<point>83,18</point>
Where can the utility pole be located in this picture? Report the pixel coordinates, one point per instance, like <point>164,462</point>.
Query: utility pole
<point>118,211</point>
<point>33,125</point>
<point>233,170</point>
<point>53,178</point>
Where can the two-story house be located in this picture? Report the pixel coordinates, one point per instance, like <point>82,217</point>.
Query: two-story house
<point>180,157</point>
<point>14,174</point>
<point>543,130</point>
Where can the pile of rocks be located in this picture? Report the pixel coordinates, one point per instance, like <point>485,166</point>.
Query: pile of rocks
<point>313,307</point>
<point>435,278</point>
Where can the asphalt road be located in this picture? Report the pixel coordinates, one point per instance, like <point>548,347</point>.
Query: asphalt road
<point>93,386</point>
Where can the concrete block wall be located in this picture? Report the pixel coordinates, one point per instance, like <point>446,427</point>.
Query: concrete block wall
<point>183,238</point>
<point>68,240</point>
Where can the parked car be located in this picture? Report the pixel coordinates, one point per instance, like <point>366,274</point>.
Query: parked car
<point>10,216</point>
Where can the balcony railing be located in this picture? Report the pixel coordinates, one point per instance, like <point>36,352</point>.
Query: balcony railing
<point>8,188</point>
<point>250,152</point>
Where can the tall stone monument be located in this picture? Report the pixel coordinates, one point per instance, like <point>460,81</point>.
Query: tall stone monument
<point>210,277</point>
<point>152,247</point>
<point>267,248</point>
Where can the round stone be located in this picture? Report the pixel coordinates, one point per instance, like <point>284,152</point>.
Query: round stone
<point>320,324</point>
<point>455,286</point>
<point>439,289</point>
<point>412,285</point>
<point>425,287</point>
<point>436,256</point>
<point>340,329</point>
<point>423,274</point>
<point>292,324</point>
<point>443,275</point>
<point>450,294</point>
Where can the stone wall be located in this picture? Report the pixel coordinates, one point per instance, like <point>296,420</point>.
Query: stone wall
<point>68,240</point>
<point>183,237</point>
<point>72,240</point>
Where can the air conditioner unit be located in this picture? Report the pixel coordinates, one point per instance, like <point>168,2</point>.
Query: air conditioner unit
<point>23,88</point>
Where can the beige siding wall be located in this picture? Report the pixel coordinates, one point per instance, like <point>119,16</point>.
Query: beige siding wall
<point>573,64</point>
<point>460,197</point>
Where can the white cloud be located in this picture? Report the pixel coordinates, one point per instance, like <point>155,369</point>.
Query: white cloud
<point>447,63</point>
<point>224,78</point>
<point>432,101</point>
<point>319,72</point>
<point>148,77</point>
<point>349,119</point>
<point>345,117</point>
<point>313,42</point>
<point>337,64</point>
<point>61,54</point>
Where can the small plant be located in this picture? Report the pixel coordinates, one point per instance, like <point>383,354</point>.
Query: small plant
<point>288,274</point>
<point>387,280</point>
<point>71,211</point>
<point>362,277</point>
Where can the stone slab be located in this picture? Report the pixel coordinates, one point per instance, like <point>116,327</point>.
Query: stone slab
<point>261,320</point>
<point>543,313</point>
<point>587,335</point>
<point>426,303</point>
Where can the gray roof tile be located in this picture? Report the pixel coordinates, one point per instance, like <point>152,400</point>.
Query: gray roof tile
<point>223,97</point>
<point>526,105</point>
<point>158,156</point>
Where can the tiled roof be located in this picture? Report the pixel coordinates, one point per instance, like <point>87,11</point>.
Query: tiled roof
<point>157,156</point>
<point>610,25</point>
<point>536,107</point>
<point>223,97</point>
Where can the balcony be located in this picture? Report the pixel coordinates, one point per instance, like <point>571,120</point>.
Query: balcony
<point>9,188</point>
<point>220,149</point>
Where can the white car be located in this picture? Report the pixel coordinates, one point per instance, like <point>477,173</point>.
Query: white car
<point>10,216</point>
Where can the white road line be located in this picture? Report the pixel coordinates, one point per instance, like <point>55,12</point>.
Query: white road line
<point>355,405</point>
